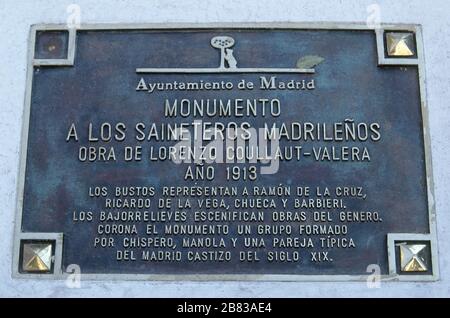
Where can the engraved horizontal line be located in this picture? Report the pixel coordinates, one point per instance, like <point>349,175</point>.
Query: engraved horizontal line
<point>218,70</point>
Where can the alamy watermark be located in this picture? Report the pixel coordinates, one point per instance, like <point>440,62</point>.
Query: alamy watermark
<point>73,20</point>
<point>231,145</point>
<point>373,20</point>
<point>374,278</point>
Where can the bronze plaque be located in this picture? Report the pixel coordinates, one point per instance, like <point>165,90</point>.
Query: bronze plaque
<point>252,152</point>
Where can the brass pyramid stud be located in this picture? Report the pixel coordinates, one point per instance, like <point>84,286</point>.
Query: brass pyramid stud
<point>413,257</point>
<point>37,257</point>
<point>400,44</point>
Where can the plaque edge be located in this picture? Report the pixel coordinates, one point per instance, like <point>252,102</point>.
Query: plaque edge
<point>382,61</point>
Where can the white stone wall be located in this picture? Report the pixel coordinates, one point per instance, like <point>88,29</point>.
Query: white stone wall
<point>16,16</point>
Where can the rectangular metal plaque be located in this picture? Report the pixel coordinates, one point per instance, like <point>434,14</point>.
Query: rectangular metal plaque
<point>226,152</point>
